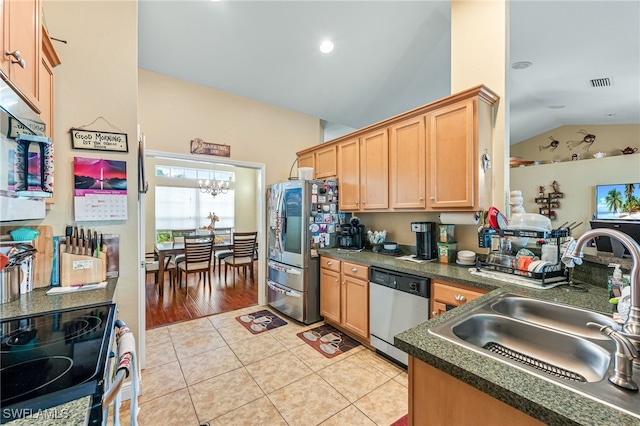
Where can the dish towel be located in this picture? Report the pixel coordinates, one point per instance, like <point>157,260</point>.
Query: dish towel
<point>567,254</point>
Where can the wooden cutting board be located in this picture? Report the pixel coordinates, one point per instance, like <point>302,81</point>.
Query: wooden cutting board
<point>44,257</point>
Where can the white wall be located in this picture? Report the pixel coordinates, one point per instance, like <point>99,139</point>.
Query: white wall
<point>97,78</point>
<point>172,112</point>
<point>577,181</point>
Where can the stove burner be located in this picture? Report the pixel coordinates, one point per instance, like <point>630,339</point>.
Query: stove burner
<point>30,376</point>
<point>25,338</point>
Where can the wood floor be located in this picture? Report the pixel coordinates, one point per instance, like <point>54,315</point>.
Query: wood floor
<point>176,305</point>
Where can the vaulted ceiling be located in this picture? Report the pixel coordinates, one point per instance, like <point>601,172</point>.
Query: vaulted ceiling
<point>391,56</point>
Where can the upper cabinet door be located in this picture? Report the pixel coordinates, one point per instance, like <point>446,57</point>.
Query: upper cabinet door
<point>407,164</point>
<point>374,170</point>
<point>349,175</point>
<point>326,162</point>
<point>307,160</point>
<point>21,46</point>
<point>452,149</point>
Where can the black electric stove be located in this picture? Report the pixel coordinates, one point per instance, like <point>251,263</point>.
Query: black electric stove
<point>53,358</point>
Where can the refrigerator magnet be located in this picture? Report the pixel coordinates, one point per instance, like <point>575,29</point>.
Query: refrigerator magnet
<point>314,189</point>
<point>314,198</point>
<point>332,208</point>
<point>327,217</point>
<point>316,239</point>
<point>319,218</point>
<point>331,228</point>
<point>323,228</point>
<point>314,228</point>
<point>322,199</point>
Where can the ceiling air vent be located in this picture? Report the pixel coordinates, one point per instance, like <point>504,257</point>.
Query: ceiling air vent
<point>601,82</point>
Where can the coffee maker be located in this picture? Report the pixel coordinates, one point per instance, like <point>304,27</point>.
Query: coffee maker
<point>351,235</point>
<point>425,240</point>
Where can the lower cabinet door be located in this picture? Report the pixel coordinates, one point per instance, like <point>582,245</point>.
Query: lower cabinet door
<point>330,294</point>
<point>356,306</point>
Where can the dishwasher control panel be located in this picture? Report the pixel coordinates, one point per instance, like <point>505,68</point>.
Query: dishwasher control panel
<point>407,283</point>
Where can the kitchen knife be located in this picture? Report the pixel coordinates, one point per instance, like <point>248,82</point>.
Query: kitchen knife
<point>87,244</point>
<point>81,242</point>
<point>67,241</point>
<point>96,249</point>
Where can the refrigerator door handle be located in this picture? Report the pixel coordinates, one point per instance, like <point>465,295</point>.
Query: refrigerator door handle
<point>283,291</point>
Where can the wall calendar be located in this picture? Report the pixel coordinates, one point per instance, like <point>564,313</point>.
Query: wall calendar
<point>100,189</point>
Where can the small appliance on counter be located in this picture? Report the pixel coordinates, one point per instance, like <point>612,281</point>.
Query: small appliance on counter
<point>351,235</point>
<point>426,248</point>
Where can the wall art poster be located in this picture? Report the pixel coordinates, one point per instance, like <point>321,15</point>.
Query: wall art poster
<point>100,189</point>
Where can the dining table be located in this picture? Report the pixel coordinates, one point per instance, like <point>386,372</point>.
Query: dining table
<point>163,250</point>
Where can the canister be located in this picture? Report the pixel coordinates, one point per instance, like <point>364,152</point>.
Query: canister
<point>447,252</point>
<point>447,233</point>
<point>10,284</point>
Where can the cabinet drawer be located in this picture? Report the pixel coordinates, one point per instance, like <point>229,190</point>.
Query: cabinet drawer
<point>355,270</point>
<point>451,295</point>
<point>330,263</point>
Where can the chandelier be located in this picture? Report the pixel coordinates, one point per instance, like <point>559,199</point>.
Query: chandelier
<point>214,187</point>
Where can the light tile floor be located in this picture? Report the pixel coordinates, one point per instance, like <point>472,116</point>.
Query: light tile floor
<point>212,370</point>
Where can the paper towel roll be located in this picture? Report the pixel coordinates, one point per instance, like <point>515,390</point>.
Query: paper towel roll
<point>460,218</point>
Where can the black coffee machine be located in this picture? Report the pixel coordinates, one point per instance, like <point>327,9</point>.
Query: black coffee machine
<point>351,235</point>
<point>425,240</point>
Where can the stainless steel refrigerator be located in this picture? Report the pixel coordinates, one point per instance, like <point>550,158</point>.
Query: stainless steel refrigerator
<point>302,217</point>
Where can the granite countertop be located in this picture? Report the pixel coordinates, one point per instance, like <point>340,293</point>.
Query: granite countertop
<point>539,398</point>
<point>38,301</point>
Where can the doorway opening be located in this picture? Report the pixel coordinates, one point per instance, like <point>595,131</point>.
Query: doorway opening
<point>192,298</point>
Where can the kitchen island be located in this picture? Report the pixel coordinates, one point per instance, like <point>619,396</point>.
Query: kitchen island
<point>537,398</point>
<point>37,302</point>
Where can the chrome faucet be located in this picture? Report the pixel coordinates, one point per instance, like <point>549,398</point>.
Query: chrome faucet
<point>631,328</point>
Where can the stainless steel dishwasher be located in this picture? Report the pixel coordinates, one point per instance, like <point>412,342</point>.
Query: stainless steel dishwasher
<point>398,302</point>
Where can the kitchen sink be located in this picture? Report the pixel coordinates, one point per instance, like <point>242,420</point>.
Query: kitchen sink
<point>560,354</point>
<point>553,315</point>
<point>545,339</point>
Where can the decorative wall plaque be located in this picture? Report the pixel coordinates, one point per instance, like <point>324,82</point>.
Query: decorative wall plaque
<point>96,140</point>
<point>198,146</point>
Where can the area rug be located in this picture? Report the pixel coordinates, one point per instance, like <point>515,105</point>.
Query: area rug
<point>260,321</point>
<point>402,421</point>
<point>328,340</point>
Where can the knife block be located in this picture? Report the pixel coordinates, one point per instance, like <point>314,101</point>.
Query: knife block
<point>76,269</point>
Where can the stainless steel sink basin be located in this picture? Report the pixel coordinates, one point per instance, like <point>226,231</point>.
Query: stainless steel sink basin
<point>548,340</point>
<point>560,354</point>
<point>553,315</point>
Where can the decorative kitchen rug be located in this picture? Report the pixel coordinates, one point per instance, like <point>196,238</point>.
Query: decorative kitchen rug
<point>328,340</point>
<point>260,321</point>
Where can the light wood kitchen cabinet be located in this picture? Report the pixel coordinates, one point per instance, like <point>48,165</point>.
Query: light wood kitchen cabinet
<point>323,161</point>
<point>459,134</point>
<point>21,47</point>
<point>49,60</point>
<point>344,295</point>
<point>446,296</point>
<point>307,160</point>
<point>407,164</point>
<point>363,172</point>
<point>440,399</point>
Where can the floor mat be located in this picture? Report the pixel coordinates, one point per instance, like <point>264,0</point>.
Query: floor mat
<point>402,421</point>
<point>328,340</point>
<point>260,321</point>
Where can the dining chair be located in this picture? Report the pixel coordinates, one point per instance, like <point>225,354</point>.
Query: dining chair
<point>151,266</point>
<point>197,258</point>
<point>244,247</point>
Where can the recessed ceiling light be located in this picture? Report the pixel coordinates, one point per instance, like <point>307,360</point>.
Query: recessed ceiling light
<point>521,65</point>
<point>326,46</point>
<point>556,106</point>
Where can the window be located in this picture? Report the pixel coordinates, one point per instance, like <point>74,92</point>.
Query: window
<point>181,205</point>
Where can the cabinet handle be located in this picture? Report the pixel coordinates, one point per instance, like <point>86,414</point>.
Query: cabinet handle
<point>357,202</point>
<point>364,202</point>
<point>18,58</point>
<point>460,298</point>
<point>432,198</point>
<point>354,269</point>
<point>329,263</point>
<point>434,314</point>
<point>420,199</point>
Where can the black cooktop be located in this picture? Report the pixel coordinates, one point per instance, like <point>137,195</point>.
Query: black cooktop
<point>52,358</point>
